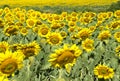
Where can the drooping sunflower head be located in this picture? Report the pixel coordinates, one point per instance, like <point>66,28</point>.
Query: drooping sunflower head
<point>11,30</point>
<point>84,33</point>
<point>10,62</point>
<point>54,38</point>
<point>103,71</point>
<point>88,45</point>
<point>4,46</point>
<point>15,47</point>
<point>30,49</point>
<point>104,35</point>
<point>65,56</point>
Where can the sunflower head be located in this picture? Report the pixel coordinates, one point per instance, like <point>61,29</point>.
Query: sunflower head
<point>30,49</point>
<point>10,62</point>
<point>117,36</point>
<point>84,33</point>
<point>11,30</point>
<point>54,38</point>
<point>3,46</point>
<point>102,71</point>
<point>31,22</point>
<point>104,35</point>
<point>65,56</point>
<point>24,31</point>
<point>43,31</point>
<point>88,45</point>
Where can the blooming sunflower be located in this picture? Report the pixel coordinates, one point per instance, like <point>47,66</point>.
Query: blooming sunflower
<point>43,31</point>
<point>88,44</point>
<point>30,49</point>
<point>104,35</point>
<point>84,33</point>
<point>10,62</point>
<point>117,36</point>
<point>11,30</point>
<point>3,78</point>
<point>102,71</point>
<point>4,46</point>
<point>30,22</point>
<point>117,13</point>
<point>24,31</point>
<point>15,47</point>
<point>65,57</point>
<point>54,38</point>
<point>117,50</point>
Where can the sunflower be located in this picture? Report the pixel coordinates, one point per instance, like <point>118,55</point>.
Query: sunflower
<point>102,71</point>
<point>54,38</point>
<point>85,20</point>
<point>117,50</point>
<point>30,49</point>
<point>24,31</point>
<point>114,25</point>
<point>30,22</point>
<point>104,35</point>
<point>43,31</point>
<point>43,16</point>
<point>117,13</point>
<point>3,78</point>
<point>10,62</point>
<point>89,14</point>
<point>65,57</point>
<point>15,47</point>
<point>63,34</point>
<point>1,12</point>
<point>84,33</point>
<point>88,44</point>
<point>117,36</point>
<point>4,46</point>
<point>11,30</point>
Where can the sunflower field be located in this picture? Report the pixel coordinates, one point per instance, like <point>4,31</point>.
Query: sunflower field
<point>59,43</point>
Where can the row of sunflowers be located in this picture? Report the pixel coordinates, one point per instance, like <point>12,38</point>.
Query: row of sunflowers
<point>76,46</point>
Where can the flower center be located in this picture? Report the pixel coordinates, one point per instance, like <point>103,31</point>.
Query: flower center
<point>66,57</point>
<point>103,71</point>
<point>54,39</point>
<point>8,66</point>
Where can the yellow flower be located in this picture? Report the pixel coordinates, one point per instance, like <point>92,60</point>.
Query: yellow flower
<point>71,24</point>
<point>84,33</point>
<point>3,78</point>
<point>10,62</point>
<point>85,20</point>
<point>30,49</point>
<point>104,35</point>
<point>88,44</point>
<point>43,16</point>
<point>4,46</point>
<point>89,14</point>
<point>64,14</point>
<point>24,31</point>
<point>117,13</point>
<point>11,30</point>
<point>102,71</point>
<point>15,47</point>
<point>65,57</point>
<point>74,14</point>
<point>55,25</point>
<point>31,22</point>
<point>117,50</point>
<point>114,25</point>
<point>1,12</point>
<point>117,36</point>
<point>43,31</point>
<point>63,34</point>
<point>54,38</point>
